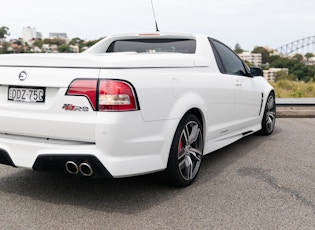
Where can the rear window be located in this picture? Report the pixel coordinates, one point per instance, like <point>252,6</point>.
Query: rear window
<point>187,46</point>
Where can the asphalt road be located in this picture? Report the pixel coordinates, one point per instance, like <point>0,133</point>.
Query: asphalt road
<point>255,183</point>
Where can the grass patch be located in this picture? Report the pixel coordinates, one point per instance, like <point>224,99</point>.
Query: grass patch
<point>294,89</point>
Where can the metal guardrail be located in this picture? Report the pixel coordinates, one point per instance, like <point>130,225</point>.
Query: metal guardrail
<point>295,107</point>
<point>308,102</point>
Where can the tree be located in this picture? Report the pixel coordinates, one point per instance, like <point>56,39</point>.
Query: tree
<point>47,41</point>
<point>38,43</point>
<point>4,49</point>
<point>64,49</point>
<point>308,56</point>
<point>17,42</point>
<point>282,75</point>
<point>308,72</point>
<point>272,58</point>
<point>298,57</point>
<point>4,32</point>
<point>300,71</point>
<point>264,53</point>
<point>55,41</point>
<point>238,49</point>
<point>75,41</point>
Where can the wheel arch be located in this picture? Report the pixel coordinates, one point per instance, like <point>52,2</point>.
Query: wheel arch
<point>190,103</point>
<point>199,114</point>
<point>272,91</point>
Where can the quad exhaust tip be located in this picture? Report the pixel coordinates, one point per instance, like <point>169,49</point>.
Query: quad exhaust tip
<point>84,168</point>
<point>72,167</point>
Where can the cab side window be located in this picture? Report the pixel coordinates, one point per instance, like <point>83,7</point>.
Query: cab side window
<point>228,62</point>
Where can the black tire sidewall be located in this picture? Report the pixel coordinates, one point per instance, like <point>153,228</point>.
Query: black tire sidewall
<point>264,129</point>
<point>173,173</point>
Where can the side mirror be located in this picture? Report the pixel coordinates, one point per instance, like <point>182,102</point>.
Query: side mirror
<point>256,72</point>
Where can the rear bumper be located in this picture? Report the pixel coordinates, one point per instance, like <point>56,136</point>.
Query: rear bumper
<point>124,146</point>
<point>57,162</point>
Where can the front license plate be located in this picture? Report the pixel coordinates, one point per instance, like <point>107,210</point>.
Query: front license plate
<point>26,94</point>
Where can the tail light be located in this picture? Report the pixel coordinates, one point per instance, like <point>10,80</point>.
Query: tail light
<point>105,95</point>
<point>116,95</point>
<point>86,88</point>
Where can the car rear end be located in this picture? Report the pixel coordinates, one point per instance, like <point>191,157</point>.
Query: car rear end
<point>92,114</point>
<point>37,117</point>
<point>78,119</point>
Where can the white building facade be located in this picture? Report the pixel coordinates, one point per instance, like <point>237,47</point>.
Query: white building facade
<point>29,34</point>
<point>253,58</point>
<point>58,35</point>
<point>270,74</point>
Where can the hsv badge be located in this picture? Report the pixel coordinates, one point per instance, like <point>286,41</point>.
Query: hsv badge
<point>22,76</point>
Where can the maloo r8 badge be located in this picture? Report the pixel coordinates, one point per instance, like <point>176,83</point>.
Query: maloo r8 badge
<point>70,107</point>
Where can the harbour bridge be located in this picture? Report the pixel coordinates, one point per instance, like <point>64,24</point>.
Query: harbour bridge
<point>304,45</point>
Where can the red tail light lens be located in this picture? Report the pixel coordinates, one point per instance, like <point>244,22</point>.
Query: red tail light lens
<point>105,95</point>
<point>84,87</point>
<point>115,95</point>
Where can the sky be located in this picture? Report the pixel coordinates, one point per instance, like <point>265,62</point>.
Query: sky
<point>249,23</point>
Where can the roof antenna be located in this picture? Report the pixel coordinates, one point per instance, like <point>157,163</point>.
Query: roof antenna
<point>156,25</point>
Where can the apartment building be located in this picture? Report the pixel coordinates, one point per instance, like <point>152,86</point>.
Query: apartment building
<point>253,58</point>
<point>270,74</point>
<point>58,35</point>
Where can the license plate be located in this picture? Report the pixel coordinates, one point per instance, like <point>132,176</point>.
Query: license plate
<point>26,94</point>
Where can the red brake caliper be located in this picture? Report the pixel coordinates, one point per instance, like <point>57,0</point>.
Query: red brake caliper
<point>180,147</point>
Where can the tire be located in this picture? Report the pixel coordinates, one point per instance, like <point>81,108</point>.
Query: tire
<point>185,153</point>
<point>269,119</point>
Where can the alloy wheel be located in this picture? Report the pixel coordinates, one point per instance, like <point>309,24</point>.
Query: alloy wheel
<point>190,147</point>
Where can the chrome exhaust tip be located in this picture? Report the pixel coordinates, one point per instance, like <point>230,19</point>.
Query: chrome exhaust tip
<point>72,167</point>
<point>86,169</point>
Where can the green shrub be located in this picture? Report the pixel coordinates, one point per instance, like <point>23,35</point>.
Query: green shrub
<point>289,89</point>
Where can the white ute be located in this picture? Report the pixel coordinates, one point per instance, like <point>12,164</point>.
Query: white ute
<point>132,104</point>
